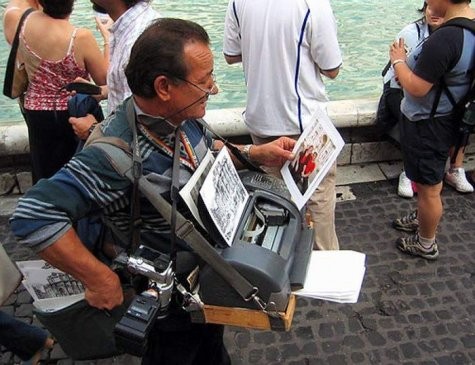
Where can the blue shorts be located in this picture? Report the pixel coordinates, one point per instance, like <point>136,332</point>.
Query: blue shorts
<point>425,145</point>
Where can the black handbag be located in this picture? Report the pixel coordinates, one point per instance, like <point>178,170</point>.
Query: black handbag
<point>84,332</point>
<point>16,78</point>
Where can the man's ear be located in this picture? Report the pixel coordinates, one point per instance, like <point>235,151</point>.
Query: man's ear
<point>162,87</point>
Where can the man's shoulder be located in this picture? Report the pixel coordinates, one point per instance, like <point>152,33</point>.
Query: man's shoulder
<point>117,125</point>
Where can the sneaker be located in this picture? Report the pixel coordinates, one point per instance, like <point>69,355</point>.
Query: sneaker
<point>408,223</point>
<point>404,188</point>
<point>457,179</point>
<point>412,246</point>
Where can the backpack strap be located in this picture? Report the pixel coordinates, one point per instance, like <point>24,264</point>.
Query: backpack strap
<point>468,24</point>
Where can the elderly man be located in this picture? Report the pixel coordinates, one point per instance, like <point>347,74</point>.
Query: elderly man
<point>170,73</point>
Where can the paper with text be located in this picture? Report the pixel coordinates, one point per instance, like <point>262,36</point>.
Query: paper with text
<point>224,195</point>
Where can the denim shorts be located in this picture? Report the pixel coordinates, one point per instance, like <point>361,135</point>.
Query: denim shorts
<point>425,145</point>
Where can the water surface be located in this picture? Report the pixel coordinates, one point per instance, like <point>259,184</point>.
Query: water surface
<point>365,29</point>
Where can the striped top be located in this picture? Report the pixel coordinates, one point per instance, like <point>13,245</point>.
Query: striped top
<point>89,184</point>
<point>124,33</point>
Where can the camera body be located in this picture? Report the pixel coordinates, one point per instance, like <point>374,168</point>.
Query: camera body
<point>131,332</point>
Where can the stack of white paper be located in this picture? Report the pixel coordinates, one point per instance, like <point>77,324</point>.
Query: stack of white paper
<point>50,288</point>
<point>335,276</point>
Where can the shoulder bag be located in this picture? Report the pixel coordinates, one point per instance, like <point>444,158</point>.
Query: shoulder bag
<point>16,78</point>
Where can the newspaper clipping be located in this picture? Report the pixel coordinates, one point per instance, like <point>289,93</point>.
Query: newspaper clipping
<point>224,195</point>
<point>50,288</point>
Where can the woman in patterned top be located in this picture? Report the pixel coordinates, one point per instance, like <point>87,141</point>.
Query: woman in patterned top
<point>55,53</point>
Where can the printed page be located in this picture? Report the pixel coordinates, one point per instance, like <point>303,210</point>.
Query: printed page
<point>224,195</point>
<point>315,152</point>
<point>46,283</point>
<point>191,190</point>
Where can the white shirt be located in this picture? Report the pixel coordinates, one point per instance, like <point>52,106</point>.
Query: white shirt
<point>124,33</point>
<point>284,45</point>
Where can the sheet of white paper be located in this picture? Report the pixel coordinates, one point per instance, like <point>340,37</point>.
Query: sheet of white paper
<point>315,152</point>
<point>44,281</point>
<point>335,276</point>
<point>224,195</point>
<point>191,190</point>
<point>55,304</point>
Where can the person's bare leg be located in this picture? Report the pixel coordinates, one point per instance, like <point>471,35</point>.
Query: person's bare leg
<point>455,176</point>
<point>458,162</point>
<point>429,209</point>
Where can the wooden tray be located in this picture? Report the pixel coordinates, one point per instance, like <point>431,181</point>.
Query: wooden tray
<point>244,317</point>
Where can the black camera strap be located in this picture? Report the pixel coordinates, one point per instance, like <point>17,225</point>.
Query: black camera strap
<point>175,190</point>
<point>136,220</point>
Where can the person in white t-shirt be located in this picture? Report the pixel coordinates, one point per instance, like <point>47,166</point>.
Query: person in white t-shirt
<point>285,47</point>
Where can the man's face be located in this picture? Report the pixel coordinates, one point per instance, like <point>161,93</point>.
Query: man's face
<point>191,95</point>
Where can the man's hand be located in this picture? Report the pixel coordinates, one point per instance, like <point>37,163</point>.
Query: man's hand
<point>105,292</point>
<point>82,125</point>
<point>103,289</point>
<point>273,154</point>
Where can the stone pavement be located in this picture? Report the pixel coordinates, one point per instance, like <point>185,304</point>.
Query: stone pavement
<point>410,311</point>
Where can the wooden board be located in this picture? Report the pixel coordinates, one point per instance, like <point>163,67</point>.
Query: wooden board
<point>249,318</point>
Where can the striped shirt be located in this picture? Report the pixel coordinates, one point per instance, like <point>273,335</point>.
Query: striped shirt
<point>89,184</point>
<point>124,33</point>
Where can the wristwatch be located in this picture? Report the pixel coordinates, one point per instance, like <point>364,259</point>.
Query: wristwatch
<point>246,151</point>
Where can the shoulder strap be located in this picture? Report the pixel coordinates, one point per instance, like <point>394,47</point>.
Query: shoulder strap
<point>8,82</point>
<point>461,23</point>
<point>468,24</point>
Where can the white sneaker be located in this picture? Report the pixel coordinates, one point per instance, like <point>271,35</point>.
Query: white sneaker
<point>404,188</point>
<point>457,179</point>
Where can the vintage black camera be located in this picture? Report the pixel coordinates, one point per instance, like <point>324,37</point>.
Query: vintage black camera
<point>131,332</point>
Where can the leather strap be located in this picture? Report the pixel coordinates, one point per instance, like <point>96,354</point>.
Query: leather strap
<point>9,71</point>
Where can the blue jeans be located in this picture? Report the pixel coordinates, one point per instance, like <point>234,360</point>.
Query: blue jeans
<point>23,339</point>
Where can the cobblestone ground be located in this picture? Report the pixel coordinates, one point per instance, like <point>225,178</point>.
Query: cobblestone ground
<point>410,311</point>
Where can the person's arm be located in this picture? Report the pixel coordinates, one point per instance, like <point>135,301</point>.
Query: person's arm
<point>332,74</point>
<point>232,59</point>
<point>232,38</point>
<point>324,47</point>
<point>43,221</point>
<point>83,126</point>
<point>104,29</point>
<point>272,154</point>
<point>94,61</point>
<point>12,14</point>
<point>68,253</point>
<point>408,80</point>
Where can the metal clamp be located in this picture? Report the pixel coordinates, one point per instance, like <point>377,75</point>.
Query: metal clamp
<point>263,306</point>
